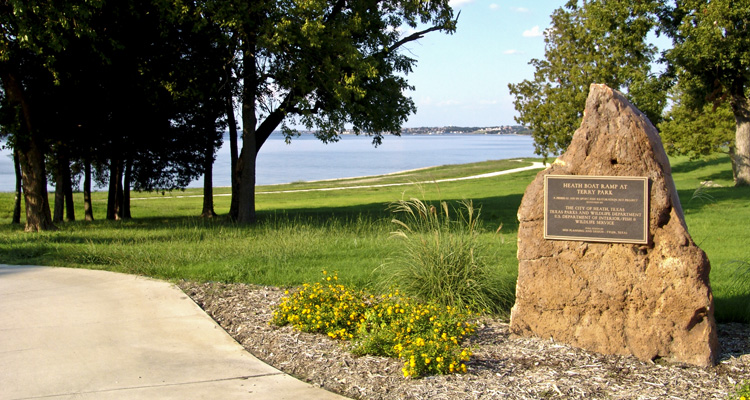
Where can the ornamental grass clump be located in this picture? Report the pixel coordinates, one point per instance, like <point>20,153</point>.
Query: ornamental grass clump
<point>441,258</point>
<point>426,337</point>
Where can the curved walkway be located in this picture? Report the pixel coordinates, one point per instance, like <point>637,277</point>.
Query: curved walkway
<point>83,334</point>
<point>534,165</point>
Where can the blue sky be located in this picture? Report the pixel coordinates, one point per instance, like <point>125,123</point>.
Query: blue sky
<point>462,79</point>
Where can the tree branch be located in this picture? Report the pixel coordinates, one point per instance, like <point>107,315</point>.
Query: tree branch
<point>414,36</point>
<point>335,11</point>
<point>419,35</point>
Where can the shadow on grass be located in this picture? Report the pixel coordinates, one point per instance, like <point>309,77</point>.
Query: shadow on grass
<point>54,248</point>
<point>692,201</point>
<point>687,166</point>
<point>495,211</point>
<point>733,308</point>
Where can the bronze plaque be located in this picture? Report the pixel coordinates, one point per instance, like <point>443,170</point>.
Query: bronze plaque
<point>596,208</point>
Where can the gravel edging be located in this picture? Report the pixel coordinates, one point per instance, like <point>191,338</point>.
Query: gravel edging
<point>502,367</point>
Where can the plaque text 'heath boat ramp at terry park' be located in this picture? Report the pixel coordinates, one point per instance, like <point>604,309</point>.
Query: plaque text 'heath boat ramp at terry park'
<point>596,208</point>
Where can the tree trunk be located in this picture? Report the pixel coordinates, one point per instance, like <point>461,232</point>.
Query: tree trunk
<point>124,192</point>
<point>57,213</point>
<point>38,216</point>
<point>30,151</point>
<point>70,212</point>
<point>208,182</point>
<point>19,191</point>
<point>63,188</point>
<point>114,199</point>
<point>741,109</point>
<point>112,190</point>
<point>88,211</point>
<point>233,151</point>
<point>246,161</point>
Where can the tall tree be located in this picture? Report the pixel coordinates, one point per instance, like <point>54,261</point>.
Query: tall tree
<point>321,64</point>
<point>29,143</point>
<point>711,55</point>
<point>596,42</point>
<point>32,34</point>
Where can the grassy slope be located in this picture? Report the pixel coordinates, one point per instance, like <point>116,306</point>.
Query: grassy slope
<point>302,233</point>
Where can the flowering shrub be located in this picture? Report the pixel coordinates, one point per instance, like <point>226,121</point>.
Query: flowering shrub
<point>742,392</point>
<point>323,307</point>
<point>426,337</point>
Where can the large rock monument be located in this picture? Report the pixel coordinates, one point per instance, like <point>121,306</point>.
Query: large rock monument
<point>620,274</point>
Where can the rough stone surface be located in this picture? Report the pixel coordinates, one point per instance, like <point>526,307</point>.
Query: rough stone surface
<point>652,301</point>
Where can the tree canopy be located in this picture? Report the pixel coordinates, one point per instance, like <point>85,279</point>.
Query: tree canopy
<point>596,42</point>
<point>140,88</point>
<point>322,64</point>
<point>607,42</point>
<point>697,130</point>
<point>711,57</point>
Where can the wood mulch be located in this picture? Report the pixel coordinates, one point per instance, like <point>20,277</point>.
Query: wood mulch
<point>502,367</point>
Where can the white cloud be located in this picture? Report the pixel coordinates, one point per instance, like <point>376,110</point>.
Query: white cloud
<point>494,6</point>
<point>520,9</point>
<point>488,102</point>
<point>428,101</point>
<point>533,32</point>
<point>459,3</point>
<point>448,103</point>
<point>512,51</point>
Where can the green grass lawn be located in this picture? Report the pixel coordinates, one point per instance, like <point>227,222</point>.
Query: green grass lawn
<point>300,234</point>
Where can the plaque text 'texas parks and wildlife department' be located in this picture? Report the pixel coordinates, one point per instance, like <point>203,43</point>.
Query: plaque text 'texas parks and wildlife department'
<point>596,208</point>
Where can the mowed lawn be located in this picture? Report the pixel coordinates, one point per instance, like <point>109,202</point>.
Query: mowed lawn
<point>301,233</point>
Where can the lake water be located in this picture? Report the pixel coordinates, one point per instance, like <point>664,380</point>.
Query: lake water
<point>307,159</point>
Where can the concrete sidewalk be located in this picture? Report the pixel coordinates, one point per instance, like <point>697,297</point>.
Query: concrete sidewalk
<point>73,333</point>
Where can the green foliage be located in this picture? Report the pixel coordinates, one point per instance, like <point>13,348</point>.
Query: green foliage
<point>697,131</point>
<point>441,259</point>
<point>597,42</point>
<point>329,63</point>
<point>711,56</point>
<point>741,391</point>
<point>712,47</point>
<point>426,337</point>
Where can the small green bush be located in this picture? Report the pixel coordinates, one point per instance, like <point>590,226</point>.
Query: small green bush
<point>426,337</point>
<point>442,260</point>
<point>741,391</point>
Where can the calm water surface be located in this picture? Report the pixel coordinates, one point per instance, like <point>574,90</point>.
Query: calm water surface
<point>306,158</point>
